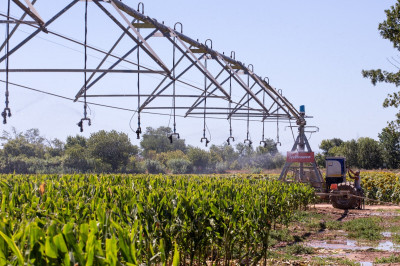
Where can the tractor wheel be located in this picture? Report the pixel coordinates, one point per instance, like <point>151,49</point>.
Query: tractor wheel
<point>344,202</point>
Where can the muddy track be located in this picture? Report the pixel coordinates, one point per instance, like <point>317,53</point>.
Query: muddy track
<point>328,232</point>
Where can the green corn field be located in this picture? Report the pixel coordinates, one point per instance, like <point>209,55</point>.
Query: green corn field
<point>142,219</point>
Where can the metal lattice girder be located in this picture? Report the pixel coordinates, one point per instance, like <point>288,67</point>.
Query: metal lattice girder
<point>186,39</point>
<point>223,82</point>
<point>80,93</point>
<point>31,11</point>
<point>15,28</point>
<point>27,39</point>
<point>142,43</point>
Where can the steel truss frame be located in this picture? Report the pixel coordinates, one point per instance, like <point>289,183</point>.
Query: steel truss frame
<point>246,99</point>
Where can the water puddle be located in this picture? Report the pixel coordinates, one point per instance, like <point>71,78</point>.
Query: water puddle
<point>352,245</point>
<point>366,263</point>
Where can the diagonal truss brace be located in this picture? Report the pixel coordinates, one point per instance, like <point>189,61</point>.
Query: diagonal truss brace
<point>31,11</point>
<point>154,95</point>
<point>198,63</point>
<point>143,43</point>
<point>240,81</point>
<point>27,39</point>
<point>14,29</point>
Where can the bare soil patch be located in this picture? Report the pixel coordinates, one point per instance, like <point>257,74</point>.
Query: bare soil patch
<point>324,235</point>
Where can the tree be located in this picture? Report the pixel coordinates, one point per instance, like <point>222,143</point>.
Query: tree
<point>76,159</point>
<point>199,158</point>
<point>55,148</point>
<point>269,147</point>
<point>77,140</point>
<point>390,30</point>
<point>327,144</point>
<point>157,140</point>
<point>369,153</point>
<point>225,151</point>
<point>112,148</point>
<point>338,147</point>
<point>389,140</point>
<point>350,151</point>
<point>28,144</point>
<point>244,150</point>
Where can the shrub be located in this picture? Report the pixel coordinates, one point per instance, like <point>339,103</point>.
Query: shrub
<point>154,167</point>
<point>221,167</point>
<point>179,166</point>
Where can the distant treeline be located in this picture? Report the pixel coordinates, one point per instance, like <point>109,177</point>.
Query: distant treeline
<point>366,153</point>
<point>111,151</point>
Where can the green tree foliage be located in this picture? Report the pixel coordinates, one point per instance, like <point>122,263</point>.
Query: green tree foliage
<point>389,30</point>
<point>77,140</point>
<point>350,151</point>
<point>329,147</point>
<point>199,158</point>
<point>389,139</point>
<point>269,147</point>
<point>226,152</point>
<point>244,150</point>
<point>163,157</point>
<point>76,159</point>
<point>29,152</point>
<point>369,153</point>
<point>154,167</point>
<point>157,140</point>
<point>112,148</point>
<point>28,144</point>
<point>179,166</point>
<point>363,153</point>
<point>327,144</point>
<point>55,148</point>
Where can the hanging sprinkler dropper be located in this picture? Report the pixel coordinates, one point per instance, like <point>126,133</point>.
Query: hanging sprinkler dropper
<point>233,55</point>
<point>7,111</point>
<point>170,137</point>
<point>263,142</point>
<point>277,121</point>
<point>205,99</point>
<point>139,129</point>
<point>85,105</point>
<point>248,140</point>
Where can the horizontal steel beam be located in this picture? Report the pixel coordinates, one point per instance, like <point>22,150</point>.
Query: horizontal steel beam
<point>84,70</point>
<point>147,95</point>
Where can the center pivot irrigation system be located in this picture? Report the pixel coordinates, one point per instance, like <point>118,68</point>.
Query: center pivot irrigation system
<point>147,68</point>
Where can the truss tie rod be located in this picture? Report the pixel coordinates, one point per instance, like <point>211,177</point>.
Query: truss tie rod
<point>85,70</point>
<point>148,95</point>
<point>201,108</point>
<point>17,22</point>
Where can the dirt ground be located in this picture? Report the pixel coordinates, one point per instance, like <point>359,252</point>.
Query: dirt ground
<point>325,237</point>
<point>358,254</point>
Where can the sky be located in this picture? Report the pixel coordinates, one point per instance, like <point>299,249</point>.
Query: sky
<point>313,50</point>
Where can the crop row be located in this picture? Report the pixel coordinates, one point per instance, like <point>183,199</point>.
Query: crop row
<point>136,219</point>
<point>382,186</point>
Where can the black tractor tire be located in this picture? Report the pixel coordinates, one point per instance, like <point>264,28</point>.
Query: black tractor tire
<point>344,202</point>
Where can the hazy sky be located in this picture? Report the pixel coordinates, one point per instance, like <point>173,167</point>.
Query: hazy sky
<point>313,50</point>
